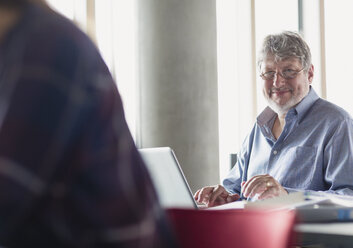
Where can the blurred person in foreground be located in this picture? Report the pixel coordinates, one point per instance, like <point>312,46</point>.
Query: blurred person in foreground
<point>70,175</point>
<point>300,142</point>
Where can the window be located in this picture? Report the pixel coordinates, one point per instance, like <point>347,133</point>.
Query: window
<point>338,41</point>
<point>241,27</point>
<point>118,44</point>
<point>272,16</point>
<point>116,41</point>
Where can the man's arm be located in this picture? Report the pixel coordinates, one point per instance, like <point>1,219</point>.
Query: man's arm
<point>238,174</point>
<point>338,159</point>
<point>231,186</point>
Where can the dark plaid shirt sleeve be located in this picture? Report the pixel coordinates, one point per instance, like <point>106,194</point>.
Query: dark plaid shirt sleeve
<point>70,175</point>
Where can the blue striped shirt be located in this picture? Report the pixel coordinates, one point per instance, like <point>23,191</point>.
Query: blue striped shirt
<point>313,152</point>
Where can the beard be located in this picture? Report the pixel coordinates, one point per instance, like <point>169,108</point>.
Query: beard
<point>283,108</point>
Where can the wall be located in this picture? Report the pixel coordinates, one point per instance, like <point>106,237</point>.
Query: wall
<point>178,84</point>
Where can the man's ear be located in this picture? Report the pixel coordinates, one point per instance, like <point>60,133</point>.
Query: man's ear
<point>311,74</point>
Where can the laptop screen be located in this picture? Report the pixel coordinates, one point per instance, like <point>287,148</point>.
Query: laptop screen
<point>168,177</point>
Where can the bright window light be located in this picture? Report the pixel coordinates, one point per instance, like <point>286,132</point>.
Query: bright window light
<point>273,16</point>
<point>116,37</point>
<point>65,7</point>
<point>116,32</point>
<point>227,82</point>
<point>339,40</point>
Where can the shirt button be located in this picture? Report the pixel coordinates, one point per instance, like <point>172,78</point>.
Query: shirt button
<point>275,152</point>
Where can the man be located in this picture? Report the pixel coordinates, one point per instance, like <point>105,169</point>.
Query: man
<point>299,143</point>
<point>70,175</point>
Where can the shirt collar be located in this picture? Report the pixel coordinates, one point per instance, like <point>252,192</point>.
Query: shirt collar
<point>308,101</point>
<point>301,109</point>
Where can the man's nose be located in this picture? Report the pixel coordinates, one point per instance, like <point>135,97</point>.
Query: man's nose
<point>278,80</point>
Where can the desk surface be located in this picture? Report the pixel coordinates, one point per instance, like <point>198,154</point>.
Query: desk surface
<point>344,229</point>
<point>326,234</point>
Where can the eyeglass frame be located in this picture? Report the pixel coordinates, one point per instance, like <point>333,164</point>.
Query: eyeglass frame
<point>281,74</point>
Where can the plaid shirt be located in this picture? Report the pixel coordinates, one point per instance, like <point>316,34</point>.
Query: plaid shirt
<point>70,175</point>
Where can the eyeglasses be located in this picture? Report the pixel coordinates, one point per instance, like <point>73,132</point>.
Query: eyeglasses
<point>286,74</point>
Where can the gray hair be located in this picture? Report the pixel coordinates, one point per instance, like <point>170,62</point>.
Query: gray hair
<point>283,46</point>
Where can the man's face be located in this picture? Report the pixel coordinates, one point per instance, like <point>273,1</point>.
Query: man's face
<point>288,85</point>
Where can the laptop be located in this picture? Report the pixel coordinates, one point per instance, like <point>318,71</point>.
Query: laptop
<point>168,177</point>
<point>173,191</point>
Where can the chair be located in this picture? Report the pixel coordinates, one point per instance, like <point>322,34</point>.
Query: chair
<point>232,228</point>
<point>232,160</point>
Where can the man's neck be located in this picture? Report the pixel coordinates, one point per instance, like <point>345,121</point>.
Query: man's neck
<point>8,19</point>
<point>282,119</point>
<point>279,124</point>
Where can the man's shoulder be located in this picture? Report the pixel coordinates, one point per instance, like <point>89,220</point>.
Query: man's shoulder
<point>329,110</point>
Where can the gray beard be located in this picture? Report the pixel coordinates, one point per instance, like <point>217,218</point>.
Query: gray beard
<point>283,109</point>
<point>280,109</point>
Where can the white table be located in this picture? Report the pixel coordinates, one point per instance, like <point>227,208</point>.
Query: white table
<point>326,234</point>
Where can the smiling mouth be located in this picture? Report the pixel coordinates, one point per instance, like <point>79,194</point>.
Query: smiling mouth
<point>280,91</point>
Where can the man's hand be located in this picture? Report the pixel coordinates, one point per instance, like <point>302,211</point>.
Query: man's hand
<point>214,196</point>
<point>263,187</point>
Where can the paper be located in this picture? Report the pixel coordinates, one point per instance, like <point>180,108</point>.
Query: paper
<point>231,205</point>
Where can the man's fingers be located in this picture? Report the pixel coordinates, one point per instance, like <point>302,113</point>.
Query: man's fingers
<point>265,186</point>
<point>219,193</point>
<point>232,198</point>
<point>273,191</point>
<point>258,188</point>
<point>245,185</point>
<point>269,193</point>
<point>196,195</point>
<point>214,195</point>
<point>204,194</point>
<point>208,194</point>
<point>257,185</point>
<point>248,185</point>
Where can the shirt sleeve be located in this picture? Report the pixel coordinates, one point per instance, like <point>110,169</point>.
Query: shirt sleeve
<point>238,174</point>
<point>338,158</point>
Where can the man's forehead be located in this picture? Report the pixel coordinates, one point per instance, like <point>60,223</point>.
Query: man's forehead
<point>271,61</point>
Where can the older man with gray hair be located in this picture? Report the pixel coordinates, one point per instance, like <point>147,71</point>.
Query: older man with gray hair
<point>300,142</point>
